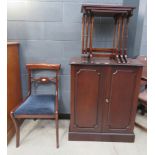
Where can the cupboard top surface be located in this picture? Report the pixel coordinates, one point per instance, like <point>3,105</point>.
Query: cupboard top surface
<point>103,61</point>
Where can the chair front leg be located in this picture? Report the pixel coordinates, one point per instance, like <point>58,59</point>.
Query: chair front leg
<point>17,129</point>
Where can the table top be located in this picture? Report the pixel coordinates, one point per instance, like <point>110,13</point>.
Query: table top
<point>107,10</point>
<point>103,61</point>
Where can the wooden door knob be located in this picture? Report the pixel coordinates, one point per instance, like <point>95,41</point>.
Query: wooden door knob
<point>107,100</point>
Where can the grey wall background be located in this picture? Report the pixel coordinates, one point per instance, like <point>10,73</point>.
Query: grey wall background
<point>49,31</point>
<point>137,42</point>
<point>143,47</point>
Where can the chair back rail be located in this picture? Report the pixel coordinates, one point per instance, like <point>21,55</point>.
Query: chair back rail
<point>43,66</point>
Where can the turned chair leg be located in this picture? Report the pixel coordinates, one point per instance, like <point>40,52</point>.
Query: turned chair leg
<point>17,128</point>
<point>57,131</point>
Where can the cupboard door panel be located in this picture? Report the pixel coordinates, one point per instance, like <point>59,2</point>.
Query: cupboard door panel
<point>87,106</point>
<point>123,82</point>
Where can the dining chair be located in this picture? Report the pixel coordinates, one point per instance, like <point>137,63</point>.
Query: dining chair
<point>42,106</point>
<point>142,97</point>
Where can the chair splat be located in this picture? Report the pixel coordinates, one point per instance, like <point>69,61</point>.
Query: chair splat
<point>44,80</point>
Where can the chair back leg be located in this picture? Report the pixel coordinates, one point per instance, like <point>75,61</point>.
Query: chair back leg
<point>57,130</point>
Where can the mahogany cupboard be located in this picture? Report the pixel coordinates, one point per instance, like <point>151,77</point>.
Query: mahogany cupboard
<point>103,99</point>
<point>14,94</point>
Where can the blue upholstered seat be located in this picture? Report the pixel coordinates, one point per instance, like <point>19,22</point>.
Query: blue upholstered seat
<point>37,104</point>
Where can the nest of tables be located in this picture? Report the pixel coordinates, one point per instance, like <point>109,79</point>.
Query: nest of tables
<point>121,15</point>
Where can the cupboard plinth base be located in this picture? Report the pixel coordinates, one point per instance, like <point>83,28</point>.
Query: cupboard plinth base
<point>107,137</point>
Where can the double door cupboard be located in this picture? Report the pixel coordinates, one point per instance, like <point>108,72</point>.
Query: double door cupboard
<point>103,100</point>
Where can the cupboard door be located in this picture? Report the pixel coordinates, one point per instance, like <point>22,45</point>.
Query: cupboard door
<point>121,99</point>
<point>86,105</point>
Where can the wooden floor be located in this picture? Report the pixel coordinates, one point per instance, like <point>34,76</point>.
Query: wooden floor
<point>38,138</point>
